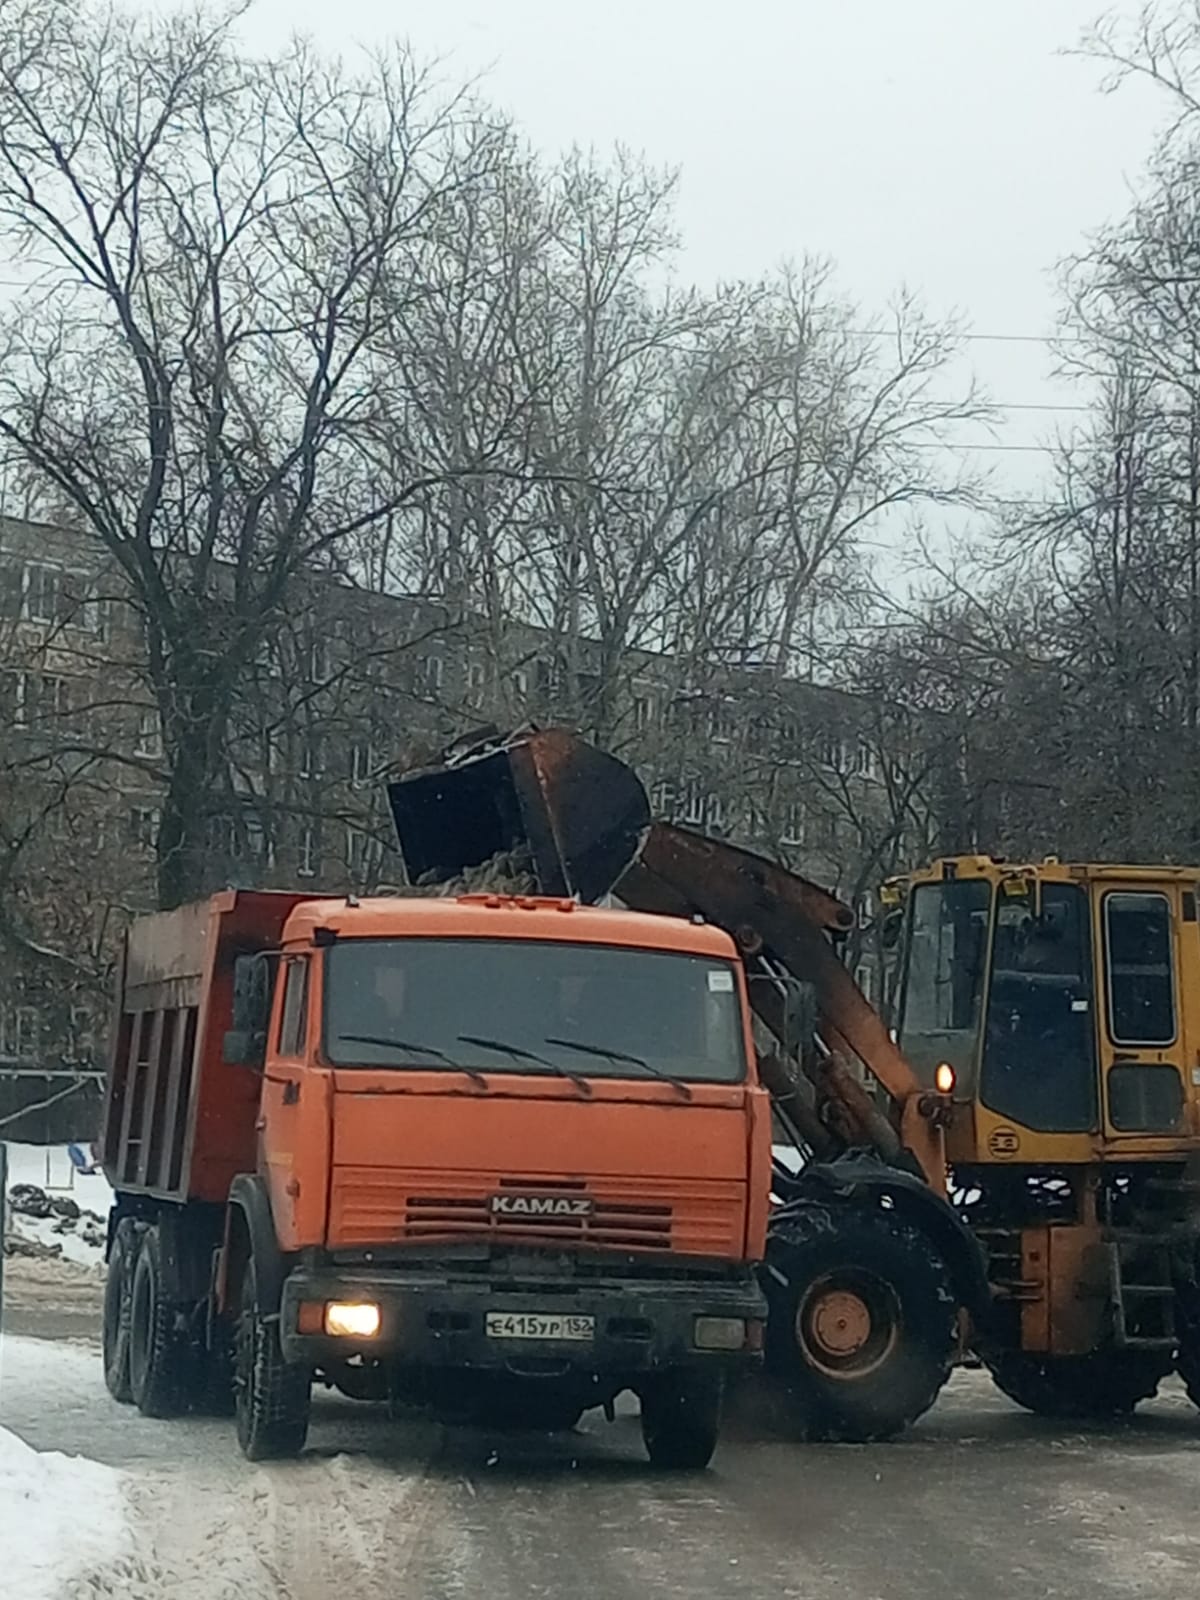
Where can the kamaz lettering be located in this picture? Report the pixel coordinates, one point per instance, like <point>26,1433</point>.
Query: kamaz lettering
<point>540,1205</point>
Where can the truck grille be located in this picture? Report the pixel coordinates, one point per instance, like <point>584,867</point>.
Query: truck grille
<point>373,1207</point>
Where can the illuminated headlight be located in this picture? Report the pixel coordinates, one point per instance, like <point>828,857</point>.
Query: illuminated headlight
<point>352,1319</point>
<point>719,1333</point>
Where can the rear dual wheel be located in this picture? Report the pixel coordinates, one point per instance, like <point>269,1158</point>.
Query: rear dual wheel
<point>161,1359</point>
<point>118,1305</point>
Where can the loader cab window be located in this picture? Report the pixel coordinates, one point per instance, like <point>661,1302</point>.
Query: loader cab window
<point>1039,1055</point>
<point>942,983</point>
<point>1137,953</point>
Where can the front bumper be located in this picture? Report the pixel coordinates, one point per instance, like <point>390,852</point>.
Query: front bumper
<point>432,1321</point>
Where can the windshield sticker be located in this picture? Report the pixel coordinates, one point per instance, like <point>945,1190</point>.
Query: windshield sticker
<point>720,982</point>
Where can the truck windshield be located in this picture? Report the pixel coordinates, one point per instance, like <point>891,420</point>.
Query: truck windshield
<point>522,1006</point>
<point>941,1000</point>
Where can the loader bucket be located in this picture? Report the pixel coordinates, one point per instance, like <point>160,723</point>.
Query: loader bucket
<point>578,813</point>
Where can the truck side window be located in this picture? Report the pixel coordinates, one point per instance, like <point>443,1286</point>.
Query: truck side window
<point>1141,986</point>
<point>293,1026</point>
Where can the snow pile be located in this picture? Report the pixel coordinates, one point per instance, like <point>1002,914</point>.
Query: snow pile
<point>61,1518</point>
<point>55,1212</point>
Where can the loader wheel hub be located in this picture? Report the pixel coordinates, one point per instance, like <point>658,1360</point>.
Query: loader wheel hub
<point>847,1323</point>
<point>841,1322</point>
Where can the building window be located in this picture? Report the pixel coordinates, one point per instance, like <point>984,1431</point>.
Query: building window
<point>41,699</point>
<point>317,661</point>
<point>476,678</point>
<point>312,756</point>
<point>308,853</point>
<point>794,823</point>
<point>362,852</point>
<point>259,843</point>
<point>363,763</point>
<point>430,672</point>
<point>19,1033</point>
<point>520,679</point>
<point>43,594</point>
<point>149,735</point>
<point>831,752</point>
<point>80,1044</point>
<point>144,823</point>
<point>643,713</point>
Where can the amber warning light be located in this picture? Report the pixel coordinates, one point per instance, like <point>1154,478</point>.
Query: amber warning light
<point>943,1078</point>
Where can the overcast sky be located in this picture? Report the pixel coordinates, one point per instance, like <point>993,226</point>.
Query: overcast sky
<point>944,144</point>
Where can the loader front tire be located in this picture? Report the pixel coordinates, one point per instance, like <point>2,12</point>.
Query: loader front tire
<point>1107,1383</point>
<point>863,1322</point>
<point>272,1397</point>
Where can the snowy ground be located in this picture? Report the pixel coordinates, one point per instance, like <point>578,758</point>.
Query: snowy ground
<point>978,1500</point>
<point>48,1168</point>
<point>62,1521</point>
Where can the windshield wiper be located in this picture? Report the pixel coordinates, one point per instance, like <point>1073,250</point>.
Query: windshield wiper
<point>518,1054</point>
<point>620,1055</point>
<point>416,1049</point>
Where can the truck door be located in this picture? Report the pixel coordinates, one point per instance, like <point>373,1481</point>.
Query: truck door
<point>285,1112</point>
<point>1142,1048</point>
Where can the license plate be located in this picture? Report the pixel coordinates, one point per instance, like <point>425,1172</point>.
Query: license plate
<point>538,1325</point>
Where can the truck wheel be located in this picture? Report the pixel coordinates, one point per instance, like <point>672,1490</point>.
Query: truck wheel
<point>161,1364</point>
<point>1108,1383</point>
<point>271,1398</point>
<point>118,1302</point>
<point>681,1419</point>
<point>863,1320</point>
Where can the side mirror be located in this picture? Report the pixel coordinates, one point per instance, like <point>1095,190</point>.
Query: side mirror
<point>245,1044</point>
<point>240,1048</point>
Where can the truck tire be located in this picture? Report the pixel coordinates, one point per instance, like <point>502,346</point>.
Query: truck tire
<point>863,1321</point>
<point>681,1419</point>
<point>272,1398</point>
<point>1107,1383</point>
<point>161,1361</point>
<point>118,1301</point>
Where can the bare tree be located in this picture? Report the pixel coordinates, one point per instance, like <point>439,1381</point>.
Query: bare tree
<point>208,238</point>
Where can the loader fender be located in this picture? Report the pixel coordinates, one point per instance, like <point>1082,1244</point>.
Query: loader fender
<point>250,1229</point>
<point>862,1178</point>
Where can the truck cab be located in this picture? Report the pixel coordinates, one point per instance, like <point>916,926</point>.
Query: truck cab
<point>504,1154</point>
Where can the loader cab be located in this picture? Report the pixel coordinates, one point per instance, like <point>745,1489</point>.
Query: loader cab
<point>1054,992</point>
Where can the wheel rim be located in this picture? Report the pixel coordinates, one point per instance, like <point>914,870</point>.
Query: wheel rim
<point>847,1323</point>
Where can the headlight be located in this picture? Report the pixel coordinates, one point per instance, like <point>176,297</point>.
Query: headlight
<point>352,1319</point>
<point>719,1333</point>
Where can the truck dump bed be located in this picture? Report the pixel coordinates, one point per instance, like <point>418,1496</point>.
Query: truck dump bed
<point>179,1120</point>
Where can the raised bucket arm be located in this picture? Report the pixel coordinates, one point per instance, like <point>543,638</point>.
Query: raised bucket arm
<point>579,821</point>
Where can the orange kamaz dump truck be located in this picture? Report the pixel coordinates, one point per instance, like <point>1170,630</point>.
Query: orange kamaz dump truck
<point>504,1155</point>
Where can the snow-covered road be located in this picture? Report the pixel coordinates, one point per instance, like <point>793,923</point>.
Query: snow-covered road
<point>978,1500</point>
